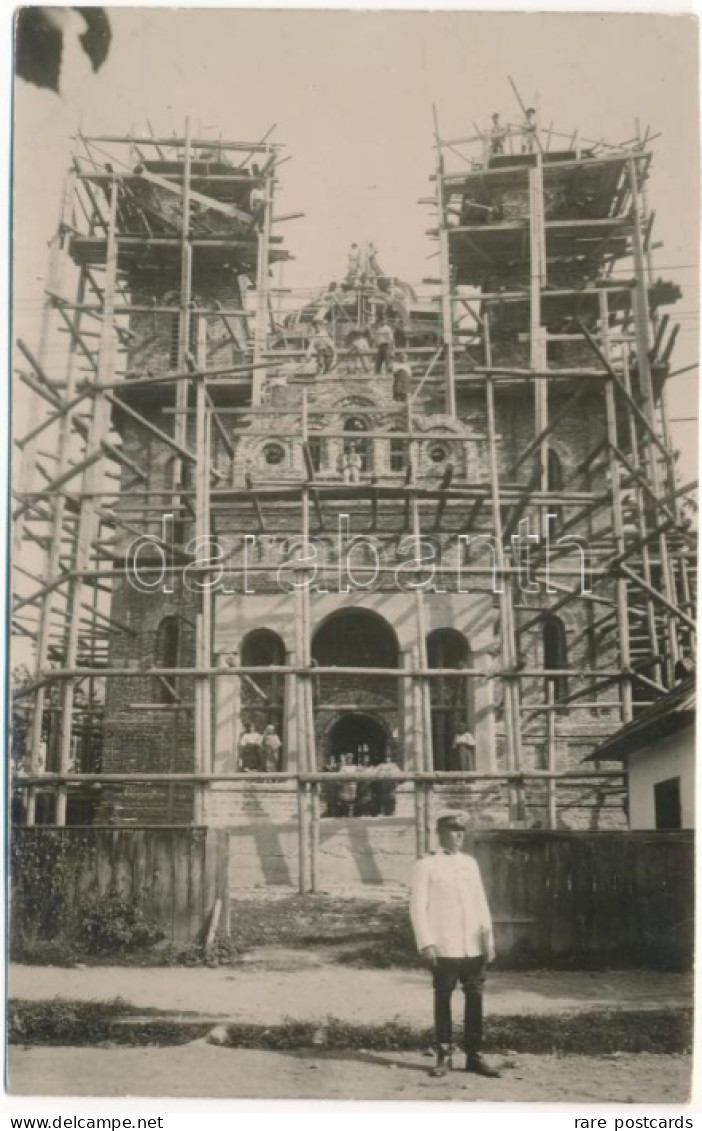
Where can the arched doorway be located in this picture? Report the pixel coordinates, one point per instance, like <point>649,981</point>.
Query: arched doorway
<point>363,706</point>
<point>355,733</point>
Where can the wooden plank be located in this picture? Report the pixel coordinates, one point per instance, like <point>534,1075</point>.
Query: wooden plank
<point>180,850</point>
<point>223,850</point>
<point>102,863</point>
<point>196,866</point>
<point>208,879</point>
<point>161,890</point>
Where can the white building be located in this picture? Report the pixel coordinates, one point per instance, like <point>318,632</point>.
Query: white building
<point>658,749</point>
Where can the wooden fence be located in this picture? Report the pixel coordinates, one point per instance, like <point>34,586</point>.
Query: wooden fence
<point>590,897</point>
<point>578,898</point>
<point>174,874</point>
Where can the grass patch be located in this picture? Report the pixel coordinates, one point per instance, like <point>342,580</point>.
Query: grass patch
<point>376,934</point>
<point>592,1034</point>
<point>67,953</point>
<point>60,1021</point>
<point>381,928</point>
<point>64,1022</point>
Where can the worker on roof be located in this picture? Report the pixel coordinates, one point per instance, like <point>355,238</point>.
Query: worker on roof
<point>322,348</point>
<point>497,136</point>
<point>374,268</point>
<point>529,131</point>
<point>354,268</point>
<point>257,203</point>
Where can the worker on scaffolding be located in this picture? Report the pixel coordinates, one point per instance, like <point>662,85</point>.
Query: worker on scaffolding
<point>322,348</point>
<point>384,342</point>
<point>351,464</point>
<point>401,378</point>
<point>529,131</point>
<point>257,200</point>
<point>359,353</point>
<point>497,136</point>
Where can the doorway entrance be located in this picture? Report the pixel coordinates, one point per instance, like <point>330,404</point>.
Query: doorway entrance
<point>356,734</point>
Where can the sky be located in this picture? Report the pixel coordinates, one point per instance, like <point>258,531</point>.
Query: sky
<point>351,96</point>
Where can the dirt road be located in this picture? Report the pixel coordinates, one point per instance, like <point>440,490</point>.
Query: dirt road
<point>301,985</point>
<point>202,1070</point>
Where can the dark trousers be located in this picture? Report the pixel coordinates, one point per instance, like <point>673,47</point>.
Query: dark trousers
<point>383,358</point>
<point>446,973</point>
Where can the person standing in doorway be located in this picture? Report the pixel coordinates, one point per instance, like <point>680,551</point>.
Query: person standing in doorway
<point>453,931</point>
<point>364,789</point>
<point>250,749</point>
<point>351,464</point>
<point>346,792</point>
<point>463,751</point>
<point>329,792</point>
<point>386,786</point>
<point>270,749</point>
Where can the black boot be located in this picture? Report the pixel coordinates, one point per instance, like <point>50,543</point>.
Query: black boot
<point>444,1061</point>
<point>476,1064</point>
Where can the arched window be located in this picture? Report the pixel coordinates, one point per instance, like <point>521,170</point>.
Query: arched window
<point>555,650</point>
<point>357,424</point>
<point>398,453</point>
<point>274,454</point>
<point>314,446</point>
<point>555,483</point>
<point>167,655</point>
<point>263,696</point>
<point>451,698</point>
<point>355,638</point>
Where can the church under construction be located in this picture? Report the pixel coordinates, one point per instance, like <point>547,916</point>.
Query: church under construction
<point>313,571</point>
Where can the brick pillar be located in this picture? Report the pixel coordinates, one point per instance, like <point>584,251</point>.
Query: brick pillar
<point>291,759</point>
<point>407,727</point>
<point>484,699</point>
<point>227,716</point>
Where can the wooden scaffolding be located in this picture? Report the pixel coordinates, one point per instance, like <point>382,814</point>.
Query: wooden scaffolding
<point>128,197</point>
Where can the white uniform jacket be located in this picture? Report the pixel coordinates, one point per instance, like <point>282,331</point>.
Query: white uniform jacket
<point>448,907</point>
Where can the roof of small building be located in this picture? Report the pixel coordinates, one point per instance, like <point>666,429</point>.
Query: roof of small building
<point>671,712</point>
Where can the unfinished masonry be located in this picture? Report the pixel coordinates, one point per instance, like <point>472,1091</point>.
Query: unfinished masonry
<point>447,591</point>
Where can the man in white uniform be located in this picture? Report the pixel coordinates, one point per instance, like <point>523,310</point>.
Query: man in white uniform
<point>453,930</point>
